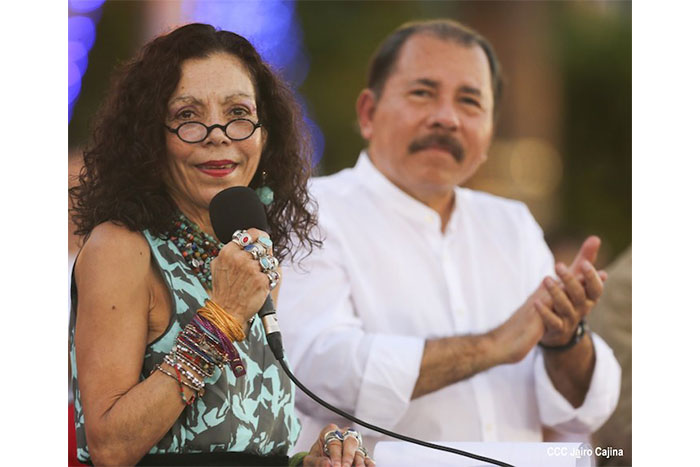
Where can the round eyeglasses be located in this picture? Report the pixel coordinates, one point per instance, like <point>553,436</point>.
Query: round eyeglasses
<point>196,132</point>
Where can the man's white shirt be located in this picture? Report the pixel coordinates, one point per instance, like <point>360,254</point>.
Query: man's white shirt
<point>356,313</point>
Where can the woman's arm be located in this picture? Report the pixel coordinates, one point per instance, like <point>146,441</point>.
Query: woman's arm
<point>118,291</point>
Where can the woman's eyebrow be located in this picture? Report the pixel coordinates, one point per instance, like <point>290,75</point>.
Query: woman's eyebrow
<point>185,100</point>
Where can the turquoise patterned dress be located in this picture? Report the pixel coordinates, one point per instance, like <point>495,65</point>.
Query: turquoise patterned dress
<point>253,413</point>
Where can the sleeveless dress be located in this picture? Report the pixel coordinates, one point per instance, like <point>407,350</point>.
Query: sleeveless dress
<point>252,414</point>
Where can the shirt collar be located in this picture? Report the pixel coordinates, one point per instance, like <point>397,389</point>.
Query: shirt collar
<point>398,199</point>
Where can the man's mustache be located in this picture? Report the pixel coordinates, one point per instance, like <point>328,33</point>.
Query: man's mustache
<point>440,140</point>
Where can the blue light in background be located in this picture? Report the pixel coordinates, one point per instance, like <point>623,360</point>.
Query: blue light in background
<point>82,18</point>
<point>272,27</point>
<point>84,6</point>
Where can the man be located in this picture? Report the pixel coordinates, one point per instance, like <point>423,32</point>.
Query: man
<point>427,300</point>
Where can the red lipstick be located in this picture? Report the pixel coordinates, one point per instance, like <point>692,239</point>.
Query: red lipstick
<point>217,168</point>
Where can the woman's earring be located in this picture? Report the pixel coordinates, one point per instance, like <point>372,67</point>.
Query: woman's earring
<point>265,193</point>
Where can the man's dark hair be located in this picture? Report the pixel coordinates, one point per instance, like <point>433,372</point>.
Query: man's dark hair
<point>384,59</point>
<point>123,175</point>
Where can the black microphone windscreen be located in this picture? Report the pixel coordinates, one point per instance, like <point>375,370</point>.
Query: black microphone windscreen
<point>236,208</point>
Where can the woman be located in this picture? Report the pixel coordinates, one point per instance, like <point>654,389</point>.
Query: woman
<point>170,364</point>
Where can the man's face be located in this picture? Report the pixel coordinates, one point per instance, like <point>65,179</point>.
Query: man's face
<point>432,126</point>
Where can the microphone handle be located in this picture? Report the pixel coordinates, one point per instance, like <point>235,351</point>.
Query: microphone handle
<point>268,316</point>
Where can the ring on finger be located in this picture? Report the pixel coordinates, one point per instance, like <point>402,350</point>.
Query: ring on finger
<point>331,437</point>
<point>274,278</point>
<point>362,450</point>
<point>353,434</point>
<point>266,242</point>
<point>241,238</point>
<point>268,263</point>
<point>255,249</point>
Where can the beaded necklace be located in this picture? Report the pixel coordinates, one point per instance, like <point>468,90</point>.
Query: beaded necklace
<point>197,247</point>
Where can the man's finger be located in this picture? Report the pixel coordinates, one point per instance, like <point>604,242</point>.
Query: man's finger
<point>551,320</point>
<point>561,303</point>
<point>593,282</point>
<point>574,288</point>
<point>588,251</point>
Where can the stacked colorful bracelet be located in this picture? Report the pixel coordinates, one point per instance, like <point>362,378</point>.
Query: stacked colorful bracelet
<point>222,320</point>
<point>200,347</point>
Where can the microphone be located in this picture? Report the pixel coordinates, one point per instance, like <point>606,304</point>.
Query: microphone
<point>239,208</point>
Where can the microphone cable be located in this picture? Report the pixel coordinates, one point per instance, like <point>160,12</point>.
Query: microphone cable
<point>238,208</point>
<point>275,342</point>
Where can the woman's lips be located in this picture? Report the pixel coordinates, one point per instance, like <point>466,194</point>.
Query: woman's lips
<point>217,168</point>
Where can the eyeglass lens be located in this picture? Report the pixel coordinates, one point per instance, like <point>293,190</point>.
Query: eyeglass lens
<point>196,131</point>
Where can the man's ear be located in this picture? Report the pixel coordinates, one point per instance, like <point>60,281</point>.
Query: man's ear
<point>365,106</point>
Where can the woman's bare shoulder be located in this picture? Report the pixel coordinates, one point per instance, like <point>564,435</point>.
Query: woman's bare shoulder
<point>112,249</point>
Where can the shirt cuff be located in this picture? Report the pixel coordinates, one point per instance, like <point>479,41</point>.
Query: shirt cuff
<point>600,401</point>
<point>389,378</point>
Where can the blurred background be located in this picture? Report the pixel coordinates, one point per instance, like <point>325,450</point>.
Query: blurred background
<point>563,143</point>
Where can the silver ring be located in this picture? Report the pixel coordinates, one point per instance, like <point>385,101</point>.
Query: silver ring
<point>362,450</point>
<point>268,263</point>
<point>265,241</point>
<point>329,437</point>
<point>354,434</point>
<point>241,238</point>
<point>274,278</point>
<point>256,249</point>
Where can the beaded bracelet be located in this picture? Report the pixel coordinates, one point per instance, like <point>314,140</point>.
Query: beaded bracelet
<point>200,347</point>
<point>201,325</point>
<point>178,356</point>
<point>207,352</point>
<point>204,367</point>
<point>178,378</point>
<point>197,384</point>
<point>193,356</point>
<point>198,391</point>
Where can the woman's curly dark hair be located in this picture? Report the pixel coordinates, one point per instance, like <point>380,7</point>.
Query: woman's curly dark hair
<point>122,179</point>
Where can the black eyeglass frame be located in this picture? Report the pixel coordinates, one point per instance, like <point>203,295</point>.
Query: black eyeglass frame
<point>211,127</point>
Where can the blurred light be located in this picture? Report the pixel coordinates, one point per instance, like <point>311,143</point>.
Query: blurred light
<point>78,55</point>
<point>273,29</point>
<point>84,6</point>
<point>74,75</point>
<point>81,29</point>
<point>536,167</point>
<point>81,37</point>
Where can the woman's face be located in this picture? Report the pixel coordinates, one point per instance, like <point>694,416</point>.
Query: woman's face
<point>212,90</point>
